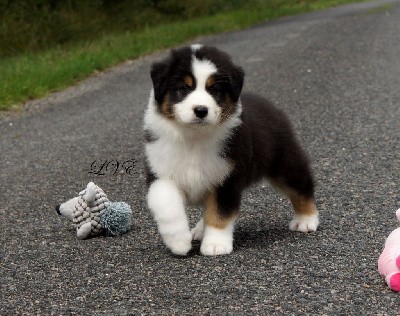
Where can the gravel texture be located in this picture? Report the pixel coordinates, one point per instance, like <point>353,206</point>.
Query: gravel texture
<point>336,73</point>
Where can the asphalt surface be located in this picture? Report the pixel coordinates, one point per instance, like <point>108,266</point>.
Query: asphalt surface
<point>336,73</point>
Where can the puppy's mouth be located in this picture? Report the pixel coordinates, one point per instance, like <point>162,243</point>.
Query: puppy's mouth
<point>199,121</point>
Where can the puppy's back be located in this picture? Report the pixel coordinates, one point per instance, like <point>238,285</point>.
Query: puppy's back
<point>265,145</point>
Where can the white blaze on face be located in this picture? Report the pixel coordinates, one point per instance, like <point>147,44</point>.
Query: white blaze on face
<point>196,47</point>
<point>184,110</point>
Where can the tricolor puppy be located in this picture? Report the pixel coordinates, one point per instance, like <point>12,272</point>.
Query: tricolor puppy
<point>206,142</point>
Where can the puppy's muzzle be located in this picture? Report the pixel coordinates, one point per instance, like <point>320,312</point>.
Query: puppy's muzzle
<point>200,111</point>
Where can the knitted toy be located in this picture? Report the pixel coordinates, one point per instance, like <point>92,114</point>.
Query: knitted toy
<point>93,214</point>
<point>389,260</point>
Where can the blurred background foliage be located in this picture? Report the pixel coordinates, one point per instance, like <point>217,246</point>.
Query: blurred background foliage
<point>35,25</point>
<point>47,45</point>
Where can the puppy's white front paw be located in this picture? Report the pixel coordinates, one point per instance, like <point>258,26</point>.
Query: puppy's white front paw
<point>179,244</point>
<point>217,241</point>
<point>198,231</point>
<point>304,223</point>
<point>215,249</point>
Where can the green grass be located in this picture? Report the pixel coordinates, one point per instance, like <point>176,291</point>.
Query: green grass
<point>34,75</point>
<point>383,8</point>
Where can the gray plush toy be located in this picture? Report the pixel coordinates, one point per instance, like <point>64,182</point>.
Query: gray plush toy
<point>93,214</point>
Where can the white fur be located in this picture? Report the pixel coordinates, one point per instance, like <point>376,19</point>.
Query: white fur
<point>188,155</point>
<point>196,47</point>
<point>202,70</point>
<point>184,111</point>
<point>304,223</point>
<point>166,202</point>
<point>217,241</point>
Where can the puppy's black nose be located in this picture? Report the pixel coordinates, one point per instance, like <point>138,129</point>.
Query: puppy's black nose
<point>200,111</point>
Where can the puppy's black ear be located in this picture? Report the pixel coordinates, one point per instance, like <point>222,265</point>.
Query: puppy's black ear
<point>159,75</point>
<point>236,81</point>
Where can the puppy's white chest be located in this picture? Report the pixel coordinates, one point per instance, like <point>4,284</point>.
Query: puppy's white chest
<point>195,167</point>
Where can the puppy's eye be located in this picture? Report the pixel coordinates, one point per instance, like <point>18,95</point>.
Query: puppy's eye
<point>213,89</point>
<point>185,89</point>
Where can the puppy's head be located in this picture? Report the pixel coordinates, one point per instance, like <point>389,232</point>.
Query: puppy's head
<point>197,85</point>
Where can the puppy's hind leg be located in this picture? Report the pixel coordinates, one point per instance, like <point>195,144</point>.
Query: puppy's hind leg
<point>305,214</point>
<point>298,186</point>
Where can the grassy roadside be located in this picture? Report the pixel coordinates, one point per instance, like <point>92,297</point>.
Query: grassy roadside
<point>34,75</point>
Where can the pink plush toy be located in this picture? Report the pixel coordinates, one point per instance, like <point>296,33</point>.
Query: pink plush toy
<point>389,260</point>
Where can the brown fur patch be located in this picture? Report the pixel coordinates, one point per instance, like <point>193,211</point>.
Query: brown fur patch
<point>211,215</point>
<point>188,80</point>
<point>228,108</point>
<point>166,108</point>
<point>210,81</point>
<point>302,205</point>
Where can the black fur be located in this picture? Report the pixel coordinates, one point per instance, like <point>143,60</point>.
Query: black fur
<point>263,146</point>
<point>167,74</point>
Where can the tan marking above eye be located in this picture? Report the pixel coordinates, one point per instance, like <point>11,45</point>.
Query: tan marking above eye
<point>210,81</point>
<point>188,80</point>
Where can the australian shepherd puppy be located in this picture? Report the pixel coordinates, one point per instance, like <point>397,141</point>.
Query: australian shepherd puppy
<point>206,142</point>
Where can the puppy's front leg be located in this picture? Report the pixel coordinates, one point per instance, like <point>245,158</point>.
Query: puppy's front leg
<point>166,202</point>
<point>218,227</point>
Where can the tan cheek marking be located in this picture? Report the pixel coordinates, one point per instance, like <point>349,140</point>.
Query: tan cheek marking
<point>228,108</point>
<point>166,108</point>
<point>188,80</point>
<point>212,217</point>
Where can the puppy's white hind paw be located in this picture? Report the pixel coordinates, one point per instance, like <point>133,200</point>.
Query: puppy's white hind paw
<point>198,231</point>
<point>304,223</point>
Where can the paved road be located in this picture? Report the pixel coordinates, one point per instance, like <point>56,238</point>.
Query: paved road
<point>336,73</point>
